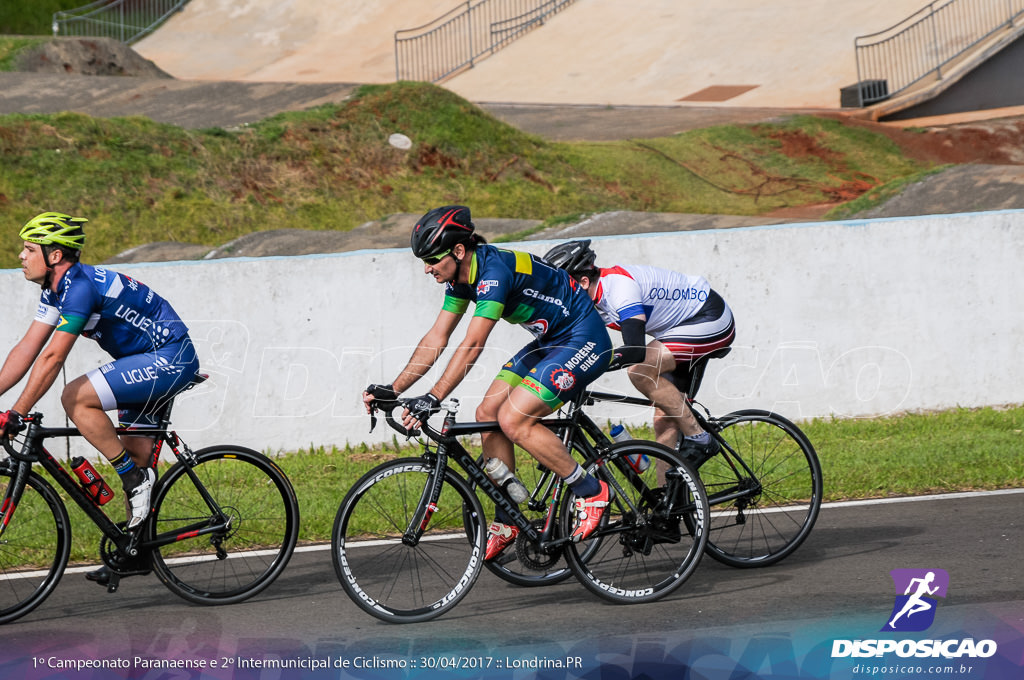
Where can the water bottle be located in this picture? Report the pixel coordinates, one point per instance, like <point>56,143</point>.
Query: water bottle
<point>503,477</point>
<point>637,461</point>
<point>91,481</point>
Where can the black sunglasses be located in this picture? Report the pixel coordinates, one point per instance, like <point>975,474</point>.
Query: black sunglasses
<point>431,261</point>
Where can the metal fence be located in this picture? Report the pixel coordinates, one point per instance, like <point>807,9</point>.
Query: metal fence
<point>469,32</point>
<point>924,43</point>
<point>124,20</point>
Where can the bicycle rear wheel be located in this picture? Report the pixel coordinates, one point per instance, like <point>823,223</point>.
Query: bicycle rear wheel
<point>780,500</point>
<point>262,514</point>
<point>401,583</point>
<point>652,534</point>
<point>34,546</point>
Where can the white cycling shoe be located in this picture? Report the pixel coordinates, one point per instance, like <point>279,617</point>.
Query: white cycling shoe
<point>138,498</point>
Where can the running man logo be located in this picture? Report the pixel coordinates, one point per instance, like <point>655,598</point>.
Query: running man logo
<point>916,589</point>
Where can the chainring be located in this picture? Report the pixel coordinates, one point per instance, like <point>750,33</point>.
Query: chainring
<point>531,556</point>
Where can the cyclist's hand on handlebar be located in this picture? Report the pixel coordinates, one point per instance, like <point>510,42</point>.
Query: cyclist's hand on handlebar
<point>418,409</point>
<point>11,423</point>
<point>383,392</point>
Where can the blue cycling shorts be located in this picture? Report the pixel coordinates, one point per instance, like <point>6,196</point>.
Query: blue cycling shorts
<point>559,369</point>
<point>139,385</point>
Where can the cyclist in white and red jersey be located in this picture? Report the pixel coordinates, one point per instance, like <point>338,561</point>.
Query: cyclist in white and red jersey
<point>153,354</point>
<point>570,349</point>
<point>683,315</point>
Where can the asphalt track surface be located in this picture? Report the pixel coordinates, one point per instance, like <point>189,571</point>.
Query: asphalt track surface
<point>836,585</point>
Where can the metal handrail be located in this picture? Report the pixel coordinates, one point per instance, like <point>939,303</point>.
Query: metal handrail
<point>126,21</point>
<point>897,58</point>
<point>465,34</point>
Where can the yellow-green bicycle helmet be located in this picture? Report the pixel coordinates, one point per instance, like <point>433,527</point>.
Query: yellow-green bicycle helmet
<point>55,229</point>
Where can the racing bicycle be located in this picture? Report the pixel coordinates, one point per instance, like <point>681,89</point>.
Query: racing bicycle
<point>223,523</point>
<point>409,537</point>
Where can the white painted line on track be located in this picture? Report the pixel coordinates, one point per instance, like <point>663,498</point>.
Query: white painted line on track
<point>914,499</point>
<point>824,506</point>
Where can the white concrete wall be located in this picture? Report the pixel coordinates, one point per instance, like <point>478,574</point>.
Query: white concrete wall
<point>849,318</point>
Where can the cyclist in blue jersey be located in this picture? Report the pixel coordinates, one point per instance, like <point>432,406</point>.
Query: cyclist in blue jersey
<point>571,348</point>
<point>153,355</point>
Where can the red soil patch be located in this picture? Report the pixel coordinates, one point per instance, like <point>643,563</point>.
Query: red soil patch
<point>998,142</point>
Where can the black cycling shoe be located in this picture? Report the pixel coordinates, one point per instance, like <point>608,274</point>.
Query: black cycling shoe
<point>99,576</point>
<point>697,454</point>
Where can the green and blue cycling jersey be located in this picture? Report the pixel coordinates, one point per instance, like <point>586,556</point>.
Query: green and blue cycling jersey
<point>571,347</point>
<point>153,354</point>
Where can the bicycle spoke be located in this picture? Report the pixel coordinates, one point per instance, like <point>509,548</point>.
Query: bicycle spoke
<point>34,547</point>
<point>642,552</point>
<point>260,518</point>
<point>779,504</point>
<point>398,582</point>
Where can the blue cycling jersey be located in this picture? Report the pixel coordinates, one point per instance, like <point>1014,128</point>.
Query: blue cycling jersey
<point>520,288</point>
<point>123,315</point>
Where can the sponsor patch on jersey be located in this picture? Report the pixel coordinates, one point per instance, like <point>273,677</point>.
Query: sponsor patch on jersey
<point>562,379</point>
<point>484,287</point>
<point>538,327</point>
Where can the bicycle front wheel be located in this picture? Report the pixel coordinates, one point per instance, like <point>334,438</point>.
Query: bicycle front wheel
<point>34,546</point>
<point>653,532</point>
<point>384,576</point>
<point>256,505</point>
<point>776,489</point>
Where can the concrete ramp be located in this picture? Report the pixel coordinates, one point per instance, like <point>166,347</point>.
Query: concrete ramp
<point>286,40</point>
<point>748,53</point>
<point>743,53</point>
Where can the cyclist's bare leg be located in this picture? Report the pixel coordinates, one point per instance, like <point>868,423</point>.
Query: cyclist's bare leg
<point>665,430</point>
<point>671,413</point>
<point>85,410</point>
<point>519,417</point>
<point>140,447</point>
<point>496,444</point>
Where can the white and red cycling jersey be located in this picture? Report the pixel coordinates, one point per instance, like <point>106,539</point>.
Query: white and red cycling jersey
<point>682,310</point>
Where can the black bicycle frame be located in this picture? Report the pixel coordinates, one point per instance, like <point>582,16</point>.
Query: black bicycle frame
<point>128,542</point>
<point>448,446</point>
<point>711,426</point>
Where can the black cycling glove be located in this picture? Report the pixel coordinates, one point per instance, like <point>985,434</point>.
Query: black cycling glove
<point>420,408</point>
<point>382,392</point>
<point>616,362</point>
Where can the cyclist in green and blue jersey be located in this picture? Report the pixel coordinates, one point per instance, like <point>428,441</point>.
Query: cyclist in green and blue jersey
<point>570,349</point>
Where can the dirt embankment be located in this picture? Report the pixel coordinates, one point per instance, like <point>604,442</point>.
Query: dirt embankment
<point>989,155</point>
<point>87,57</point>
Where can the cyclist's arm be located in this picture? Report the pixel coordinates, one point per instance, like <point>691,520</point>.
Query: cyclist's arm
<point>634,347</point>
<point>428,350</point>
<point>45,370</point>
<point>465,356</point>
<point>23,354</point>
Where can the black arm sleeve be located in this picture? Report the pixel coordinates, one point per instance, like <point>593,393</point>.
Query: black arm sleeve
<point>633,349</point>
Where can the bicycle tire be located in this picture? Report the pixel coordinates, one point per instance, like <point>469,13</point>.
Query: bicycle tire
<point>400,583</point>
<point>34,547</point>
<point>225,568</point>
<point>643,551</point>
<point>770,524</point>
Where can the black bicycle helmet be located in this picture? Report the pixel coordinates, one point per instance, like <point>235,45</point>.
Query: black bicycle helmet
<point>575,257</point>
<point>440,230</point>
